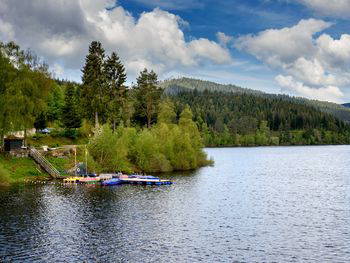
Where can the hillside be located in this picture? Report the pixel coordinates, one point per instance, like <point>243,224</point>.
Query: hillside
<point>232,116</point>
<point>175,86</point>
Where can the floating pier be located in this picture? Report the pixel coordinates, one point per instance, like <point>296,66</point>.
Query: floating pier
<point>118,179</point>
<point>145,181</point>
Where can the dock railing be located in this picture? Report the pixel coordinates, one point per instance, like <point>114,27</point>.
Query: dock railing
<point>44,163</point>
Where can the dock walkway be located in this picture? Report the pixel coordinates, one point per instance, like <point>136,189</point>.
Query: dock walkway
<point>44,163</point>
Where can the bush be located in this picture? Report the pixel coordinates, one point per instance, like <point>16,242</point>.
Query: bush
<point>70,133</point>
<point>163,148</point>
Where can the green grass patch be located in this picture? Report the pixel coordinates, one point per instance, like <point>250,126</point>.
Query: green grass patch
<point>61,164</point>
<point>13,170</point>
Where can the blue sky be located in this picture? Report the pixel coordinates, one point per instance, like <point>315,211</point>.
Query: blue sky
<point>299,47</point>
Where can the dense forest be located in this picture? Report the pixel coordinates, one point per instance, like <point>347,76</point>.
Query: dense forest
<point>244,119</point>
<point>174,86</point>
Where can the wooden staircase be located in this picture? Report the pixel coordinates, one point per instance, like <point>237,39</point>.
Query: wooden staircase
<point>44,163</point>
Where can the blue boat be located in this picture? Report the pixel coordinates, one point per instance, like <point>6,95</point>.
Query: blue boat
<point>114,181</point>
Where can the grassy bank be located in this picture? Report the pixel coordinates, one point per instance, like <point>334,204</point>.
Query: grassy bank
<point>17,170</point>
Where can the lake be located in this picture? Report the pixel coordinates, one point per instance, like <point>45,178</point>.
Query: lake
<point>267,204</point>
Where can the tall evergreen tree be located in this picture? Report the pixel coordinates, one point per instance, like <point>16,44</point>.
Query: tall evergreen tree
<point>71,118</point>
<point>148,95</point>
<point>94,89</point>
<point>115,75</point>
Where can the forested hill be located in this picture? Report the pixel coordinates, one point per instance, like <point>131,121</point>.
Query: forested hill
<point>175,86</point>
<point>242,118</point>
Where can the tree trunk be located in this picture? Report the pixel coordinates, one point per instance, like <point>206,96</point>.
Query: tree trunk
<point>148,122</point>
<point>114,124</point>
<point>96,120</point>
<point>2,141</point>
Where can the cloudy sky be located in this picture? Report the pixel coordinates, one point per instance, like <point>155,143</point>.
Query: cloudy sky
<point>298,47</point>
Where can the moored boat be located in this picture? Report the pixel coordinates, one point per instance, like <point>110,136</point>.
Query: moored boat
<point>89,180</point>
<point>72,180</point>
<point>113,181</point>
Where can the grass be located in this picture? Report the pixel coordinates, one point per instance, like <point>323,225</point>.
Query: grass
<point>62,164</point>
<point>16,170</point>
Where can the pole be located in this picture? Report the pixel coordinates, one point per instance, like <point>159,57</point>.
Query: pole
<point>75,160</point>
<point>86,166</point>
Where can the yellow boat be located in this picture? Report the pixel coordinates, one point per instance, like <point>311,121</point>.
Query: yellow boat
<point>72,179</point>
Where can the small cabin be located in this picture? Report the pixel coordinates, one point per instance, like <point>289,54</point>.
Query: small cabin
<point>12,144</point>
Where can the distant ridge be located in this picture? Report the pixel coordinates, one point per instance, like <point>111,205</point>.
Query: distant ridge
<point>174,86</point>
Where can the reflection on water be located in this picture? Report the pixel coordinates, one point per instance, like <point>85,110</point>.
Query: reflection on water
<point>255,204</point>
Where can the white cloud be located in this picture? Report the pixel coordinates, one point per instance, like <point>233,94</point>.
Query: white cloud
<point>209,49</point>
<point>328,93</point>
<point>277,47</point>
<point>62,30</point>
<point>224,39</point>
<point>335,8</point>
<point>319,64</point>
<point>334,52</point>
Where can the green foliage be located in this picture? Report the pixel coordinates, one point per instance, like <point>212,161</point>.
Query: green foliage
<point>71,117</point>
<point>237,119</point>
<point>109,150</point>
<point>164,147</point>
<point>166,112</point>
<point>24,88</point>
<point>94,93</point>
<point>147,95</point>
<point>115,78</point>
<point>55,103</point>
<point>175,86</point>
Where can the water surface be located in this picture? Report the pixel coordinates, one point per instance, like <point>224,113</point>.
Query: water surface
<point>268,204</point>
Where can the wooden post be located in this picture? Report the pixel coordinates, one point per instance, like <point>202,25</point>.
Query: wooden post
<point>75,160</point>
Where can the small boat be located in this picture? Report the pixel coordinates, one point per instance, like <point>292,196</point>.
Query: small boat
<point>104,177</point>
<point>113,181</point>
<point>143,181</point>
<point>89,180</point>
<point>72,180</point>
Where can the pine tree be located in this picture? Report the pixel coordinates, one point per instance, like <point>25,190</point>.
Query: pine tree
<point>71,118</point>
<point>148,95</point>
<point>94,93</point>
<point>115,75</point>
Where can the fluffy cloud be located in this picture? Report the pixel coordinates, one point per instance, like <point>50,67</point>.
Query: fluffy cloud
<point>318,64</point>
<point>223,38</point>
<point>62,30</point>
<point>280,46</point>
<point>330,93</point>
<point>336,8</point>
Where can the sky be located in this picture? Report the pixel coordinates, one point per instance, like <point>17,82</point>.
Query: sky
<point>296,47</point>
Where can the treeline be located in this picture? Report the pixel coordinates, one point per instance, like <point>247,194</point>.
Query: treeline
<point>30,97</point>
<point>239,119</point>
<point>175,86</point>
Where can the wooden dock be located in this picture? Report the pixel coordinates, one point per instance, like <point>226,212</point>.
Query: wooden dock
<point>145,181</point>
